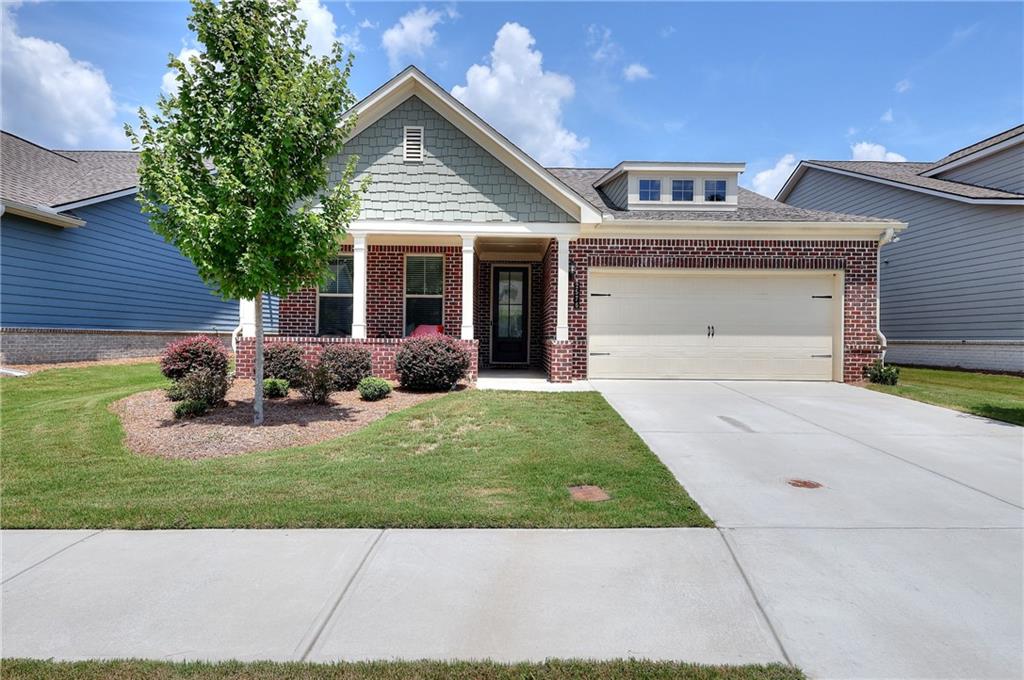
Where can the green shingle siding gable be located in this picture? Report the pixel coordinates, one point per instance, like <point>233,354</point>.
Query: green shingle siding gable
<point>458,181</point>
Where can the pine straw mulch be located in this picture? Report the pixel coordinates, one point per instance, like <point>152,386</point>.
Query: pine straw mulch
<point>150,427</point>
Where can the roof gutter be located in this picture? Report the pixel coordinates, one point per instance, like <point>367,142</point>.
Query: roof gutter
<point>40,214</point>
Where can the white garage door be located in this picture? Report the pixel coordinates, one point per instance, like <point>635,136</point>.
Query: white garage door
<point>703,324</point>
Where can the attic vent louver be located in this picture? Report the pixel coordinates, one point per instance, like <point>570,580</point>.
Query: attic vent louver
<point>413,143</point>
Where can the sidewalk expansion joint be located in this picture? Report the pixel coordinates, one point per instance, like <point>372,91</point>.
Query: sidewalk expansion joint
<point>49,557</point>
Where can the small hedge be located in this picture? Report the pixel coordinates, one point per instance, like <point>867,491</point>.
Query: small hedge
<point>317,383</point>
<point>190,408</point>
<point>205,385</point>
<point>347,364</point>
<point>883,374</point>
<point>284,360</point>
<point>174,392</point>
<point>275,388</point>
<point>431,364</point>
<point>190,354</point>
<point>373,389</point>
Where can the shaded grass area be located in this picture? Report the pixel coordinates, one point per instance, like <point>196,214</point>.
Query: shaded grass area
<point>1000,397</point>
<point>468,459</point>
<point>16,669</point>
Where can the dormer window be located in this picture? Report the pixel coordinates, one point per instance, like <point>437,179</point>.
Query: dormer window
<point>714,191</point>
<point>682,190</point>
<point>413,144</point>
<point>650,190</point>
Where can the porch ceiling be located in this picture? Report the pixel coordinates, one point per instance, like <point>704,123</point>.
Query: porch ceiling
<point>509,248</point>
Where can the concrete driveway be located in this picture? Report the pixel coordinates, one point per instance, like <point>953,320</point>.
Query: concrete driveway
<point>907,561</point>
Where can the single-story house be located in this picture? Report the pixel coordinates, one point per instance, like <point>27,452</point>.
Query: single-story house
<point>643,270</point>
<point>952,286</point>
<point>82,276</point>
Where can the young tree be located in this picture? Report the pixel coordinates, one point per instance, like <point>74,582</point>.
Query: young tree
<point>233,169</point>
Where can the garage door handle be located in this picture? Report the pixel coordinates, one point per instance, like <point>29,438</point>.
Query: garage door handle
<point>821,356</point>
<point>600,295</point>
<point>711,331</point>
<point>600,354</point>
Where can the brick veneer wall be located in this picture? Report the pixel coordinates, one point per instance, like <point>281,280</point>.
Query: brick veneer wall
<point>484,305</point>
<point>382,353</point>
<point>856,258</point>
<point>53,345</point>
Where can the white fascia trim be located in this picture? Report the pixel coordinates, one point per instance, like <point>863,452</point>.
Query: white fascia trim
<point>977,155</point>
<point>799,172</point>
<point>98,199</point>
<point>681,166</point>
<point>412,81</point>
<point>869,231</point>
<point>413,228</point>
<point>41,214</point>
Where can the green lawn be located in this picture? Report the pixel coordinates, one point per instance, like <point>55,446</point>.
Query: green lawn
<point>994,396</point>
<point>468,459</point>
<point>392,670</point>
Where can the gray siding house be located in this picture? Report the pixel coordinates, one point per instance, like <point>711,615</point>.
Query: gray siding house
<point>952,284</point>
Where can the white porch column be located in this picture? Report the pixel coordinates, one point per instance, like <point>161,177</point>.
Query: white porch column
<point>247,317</point>
<point>562,319</point>
<point>467,287</point>
<point>359,286</point>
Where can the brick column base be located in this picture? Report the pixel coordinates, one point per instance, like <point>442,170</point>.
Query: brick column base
<point>558,360</point>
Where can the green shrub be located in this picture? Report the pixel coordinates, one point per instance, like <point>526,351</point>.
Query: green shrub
<point>174,392</point>
<point>347,364</point>
<point>205,385</point>
<point>284,360</point>
<point>883,374</point>
<point>275,388</point>
<point>190,354</point>
<point>190,408</point>
<point>431,363</point>
<point>374,389</point>
<point>317,383</point>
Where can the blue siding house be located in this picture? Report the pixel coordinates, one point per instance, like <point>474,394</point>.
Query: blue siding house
<point>82,276</point>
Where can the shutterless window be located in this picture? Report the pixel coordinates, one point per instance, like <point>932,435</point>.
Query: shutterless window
<point>682,190</point>
<point>335,299</point>
<point>714,190</point>
<point>650,190</point>
<point>424,288</point>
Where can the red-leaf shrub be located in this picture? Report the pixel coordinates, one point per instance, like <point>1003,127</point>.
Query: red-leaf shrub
<point>431,363</point>
<point>284,360</point>
<point>347,364</point>
<point>189,354</point>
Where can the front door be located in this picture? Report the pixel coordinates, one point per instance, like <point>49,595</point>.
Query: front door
<point>510,314</point>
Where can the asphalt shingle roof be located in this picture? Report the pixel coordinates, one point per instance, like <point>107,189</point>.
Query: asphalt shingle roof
<point>752,207</point>
<point>977,146</point>
<point>49,178</point>
<point>909,174</point>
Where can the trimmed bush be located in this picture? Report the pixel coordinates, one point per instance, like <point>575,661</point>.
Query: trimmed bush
<point>190,408</point>
<point>205,385</point>
<point>275,388</point>
<point>373,389</point>
<point>347,364</point>
<point>174,392</point>
<point>189,354</point>
<point>431,363</point>
<point>883,374</point>
<point>317,383</point>
<point>284,360</point>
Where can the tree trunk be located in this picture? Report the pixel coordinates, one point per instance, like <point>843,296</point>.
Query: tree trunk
<point>257,401</point>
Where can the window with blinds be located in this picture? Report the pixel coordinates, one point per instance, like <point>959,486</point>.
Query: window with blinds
<point>334,301</point>
<point>424,289</point>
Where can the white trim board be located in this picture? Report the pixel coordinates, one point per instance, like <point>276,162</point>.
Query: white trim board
<point>975,156</point>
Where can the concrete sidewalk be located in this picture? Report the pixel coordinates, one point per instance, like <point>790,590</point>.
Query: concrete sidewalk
<point>355,594</point>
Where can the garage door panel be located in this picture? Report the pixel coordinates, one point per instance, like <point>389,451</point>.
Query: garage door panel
<point>654,324</point>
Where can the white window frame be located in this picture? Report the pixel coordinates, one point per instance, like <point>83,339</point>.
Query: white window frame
<point>336,295</point>
<point>405,144</point>
<point>704,193</point>
<point>693,198</point>
<point>407,296</point>
<point>661,189</point>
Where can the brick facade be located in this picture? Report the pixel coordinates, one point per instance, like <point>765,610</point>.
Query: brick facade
<point>382,353</point>
<point>54,345</point>
<point>483,310</point>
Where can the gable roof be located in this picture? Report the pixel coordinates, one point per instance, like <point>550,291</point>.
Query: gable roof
<point>411,81</point>
<point>973,152</point>
<point>752,207</point>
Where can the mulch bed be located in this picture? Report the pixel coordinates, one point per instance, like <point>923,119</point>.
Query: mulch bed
<point>150,427</point>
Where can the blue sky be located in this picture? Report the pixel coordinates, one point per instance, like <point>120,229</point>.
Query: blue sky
<point>589,84</point>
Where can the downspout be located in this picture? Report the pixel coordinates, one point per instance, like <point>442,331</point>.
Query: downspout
<point>234,337</point>
<point>887,236</point>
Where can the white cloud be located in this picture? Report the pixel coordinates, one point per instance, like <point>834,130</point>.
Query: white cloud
<point>851,131</point>
<point>962,33</point>
<point>887,116</point>
<point>868,151</point>
<point>636,72</point>
<point>599,41</point>
<point>367,24</point>
<point>903,85</point>
<point>768,182</point>
<point>515,74</point>
<point>321,31</point>
<point>667,31</point>
<point>169,83</point>
<point>413,33</point>
<point>52,98</point>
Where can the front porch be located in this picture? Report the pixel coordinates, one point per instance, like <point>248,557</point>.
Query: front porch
<point>504,295</point>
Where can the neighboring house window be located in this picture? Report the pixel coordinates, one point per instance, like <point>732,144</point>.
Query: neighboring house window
<point>650,190</point>
<point>714,190</point>
<point>682,190</point>
<point>413,145</point>
<point>335,299</point>
<point>424,288</point>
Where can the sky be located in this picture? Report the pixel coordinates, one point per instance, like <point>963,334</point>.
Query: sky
<point>584,84</point>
